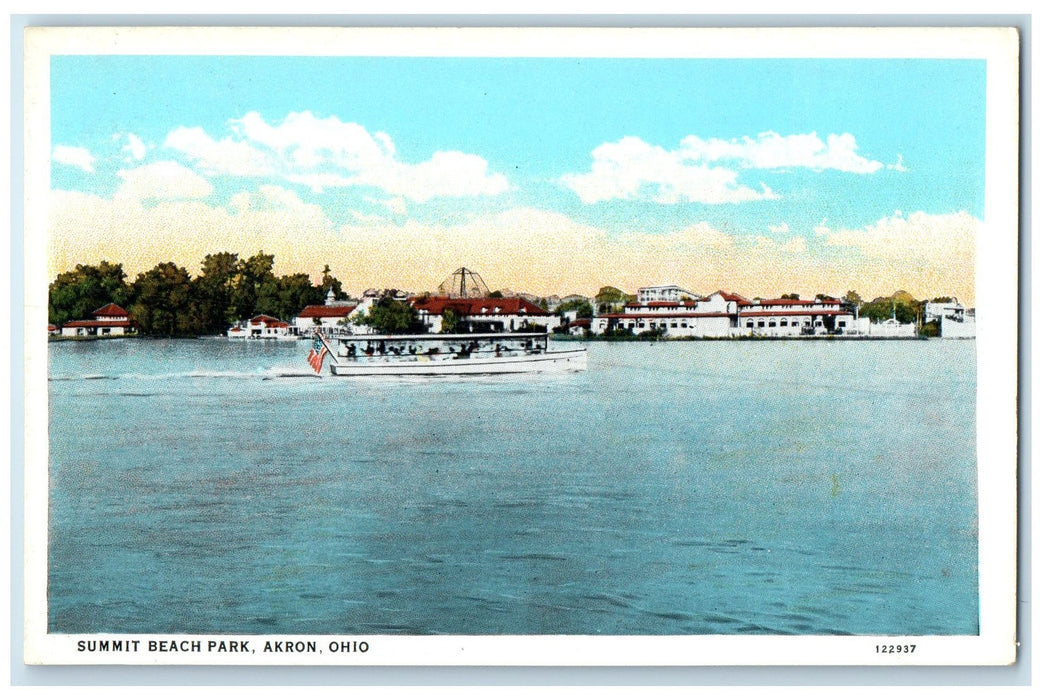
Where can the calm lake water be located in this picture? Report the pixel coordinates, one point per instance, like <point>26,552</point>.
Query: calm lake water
<point>786,487</point>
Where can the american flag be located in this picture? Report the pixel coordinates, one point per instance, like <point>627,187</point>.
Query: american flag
<point>317,355</point>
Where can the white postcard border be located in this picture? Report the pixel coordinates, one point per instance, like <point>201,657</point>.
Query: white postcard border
<point>997,292</point>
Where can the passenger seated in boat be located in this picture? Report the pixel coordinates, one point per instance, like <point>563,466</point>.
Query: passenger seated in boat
<point>433,351</point>
<point>352,351</point>
<point>369,349</point>
<point>383,348</point>
<point>499,350</point>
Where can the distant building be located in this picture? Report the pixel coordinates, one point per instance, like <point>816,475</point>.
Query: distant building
<point>796,317</point>
<point>261,327</point>
<point>715,316</point>
<point>332,315</point>
<point>889,328</point>
<point>664,292</point>
<point>725,314</point>
<point>955,320</point>
<point>483,314</point>
<point>109,320</point>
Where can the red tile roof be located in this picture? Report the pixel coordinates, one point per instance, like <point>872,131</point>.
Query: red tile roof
<point>794,302</point>
<point>110,310</point>
<point>322,311</point>
<point>263,318</point>
<point>481,306</point>
<point>797,312</point>
<point>99,324</point>
<point>728,296</point>
<point>660,304</point>
<point>666,317</point>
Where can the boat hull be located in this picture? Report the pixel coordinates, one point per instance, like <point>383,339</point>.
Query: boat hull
<point>422,365</point>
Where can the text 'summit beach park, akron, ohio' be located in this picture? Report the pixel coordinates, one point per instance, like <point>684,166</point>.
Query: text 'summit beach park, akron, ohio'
<point>428,346</point>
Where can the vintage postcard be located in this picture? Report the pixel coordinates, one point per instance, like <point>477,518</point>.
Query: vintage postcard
<point>651,347</point>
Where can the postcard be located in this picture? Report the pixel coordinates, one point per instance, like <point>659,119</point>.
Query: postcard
<point>521,347</point>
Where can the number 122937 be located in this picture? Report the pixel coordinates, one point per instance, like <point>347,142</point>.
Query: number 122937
<point>895,648</point>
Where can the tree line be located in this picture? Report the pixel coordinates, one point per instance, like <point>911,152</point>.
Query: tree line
<point>168,301</point>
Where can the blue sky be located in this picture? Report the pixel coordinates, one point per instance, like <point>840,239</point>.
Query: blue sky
<point>791,165</point>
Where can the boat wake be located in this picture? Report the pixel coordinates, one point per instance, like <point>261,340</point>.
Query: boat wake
<point>262,373</point>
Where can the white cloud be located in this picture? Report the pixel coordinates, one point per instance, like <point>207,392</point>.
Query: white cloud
<point>224,157</point>
<point>75,156</point>
<point>772,151</point>
<point>326,153</point>
<point>796,244</point>
<point>780,228</point>
<point>634,170</point>
<point>164,180</point>
<point>940,238</point>
<point>134,147</point>
<point>899,166</point>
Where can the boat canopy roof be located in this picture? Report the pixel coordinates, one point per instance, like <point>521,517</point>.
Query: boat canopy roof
<point>439,337</point>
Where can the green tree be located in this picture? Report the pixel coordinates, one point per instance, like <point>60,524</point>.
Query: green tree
<point>450,320</point>
<point>214,292</point>
<point>609,299</point>
<point>885,307</point>
<point>330,282</point>
<point>163,303</point>
<point>75,294</point>
<point>583,308</point>
<point>256,289</point>
<point>391,316</point>
<point>794,296</point>
<point>853,298</point>
<point>294,293</point>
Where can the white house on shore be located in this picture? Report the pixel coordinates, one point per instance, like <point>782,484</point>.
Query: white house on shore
<point>956,321</point>
<point>261,327</point>
<point>109,320</point>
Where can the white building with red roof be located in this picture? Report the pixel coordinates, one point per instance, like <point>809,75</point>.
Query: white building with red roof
<point>483,314</point>
<point>714,316</point>
<point>332,316</point>
<point>109,320</point>
<point>796,317</point>
<point>261,327</point>
<point>725,314</point>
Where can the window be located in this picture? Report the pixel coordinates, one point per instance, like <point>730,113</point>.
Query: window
<point>673,325</point>
<point>842,324</point>
<point>760,324</point>
<point>748,324</point>
<point>783,322</point>
<point>772,324</point>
